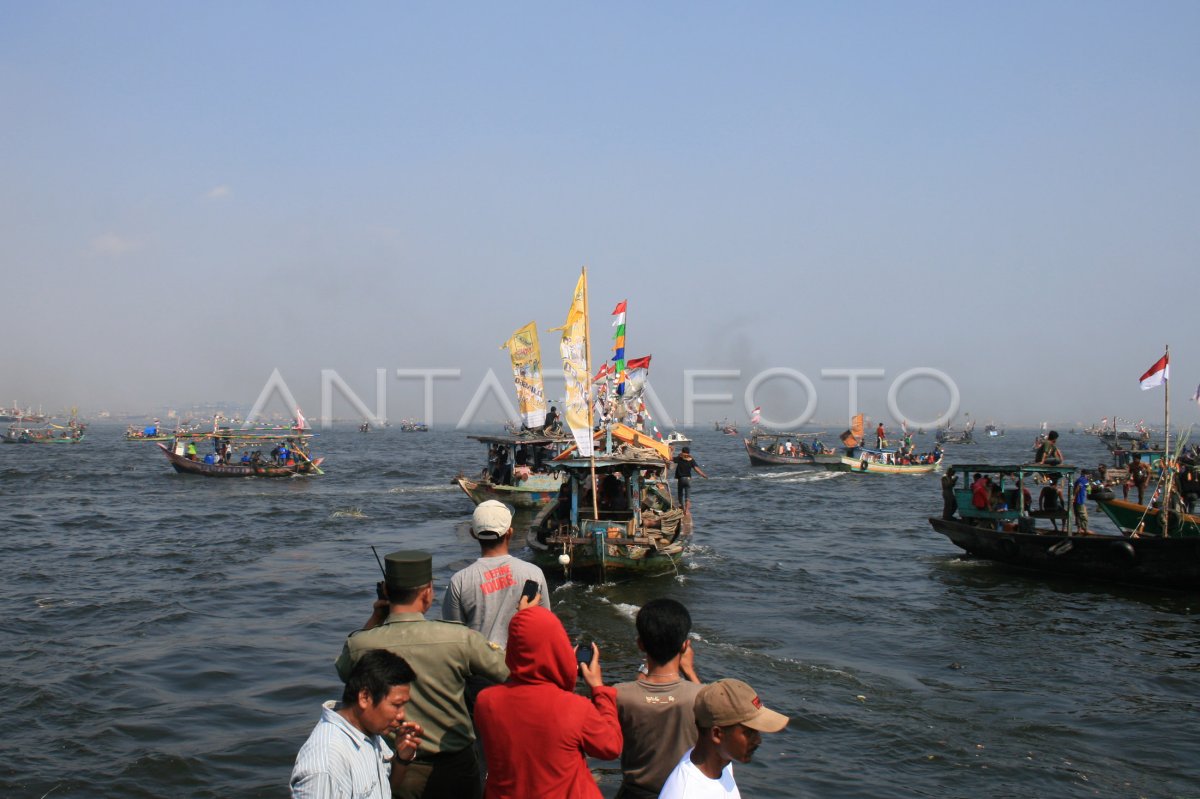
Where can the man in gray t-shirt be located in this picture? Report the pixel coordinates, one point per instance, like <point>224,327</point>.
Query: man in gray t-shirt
<point>485,595</point>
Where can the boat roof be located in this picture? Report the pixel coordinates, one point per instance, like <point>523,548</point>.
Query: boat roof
<point>783,434</point>
<point>1027,468</point>
<point>609,462</point>
<point>515,440</point>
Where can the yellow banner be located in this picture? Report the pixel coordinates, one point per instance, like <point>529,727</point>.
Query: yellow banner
<point>527,374</point>
<point>573,348</point>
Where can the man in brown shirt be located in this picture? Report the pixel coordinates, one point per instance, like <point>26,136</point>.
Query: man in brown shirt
<point>655,711</point>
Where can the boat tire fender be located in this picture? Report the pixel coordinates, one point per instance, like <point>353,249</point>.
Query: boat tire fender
<point>1125,551</point>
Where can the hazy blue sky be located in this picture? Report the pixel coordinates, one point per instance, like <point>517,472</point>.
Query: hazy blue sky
<point>192,195</point>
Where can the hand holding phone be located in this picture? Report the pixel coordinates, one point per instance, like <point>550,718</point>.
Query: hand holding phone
<point>583,653</point>
<point>528,592</point>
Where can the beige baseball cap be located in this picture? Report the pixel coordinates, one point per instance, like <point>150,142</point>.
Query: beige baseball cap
<point>491,520</point>
<point>728,702</point>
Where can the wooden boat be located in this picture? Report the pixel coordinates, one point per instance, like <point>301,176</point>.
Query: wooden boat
<point>504,454</point>
<point>21,433</point>
<point>948,435</point>
<point>635,527</point>
<point>1131,517</point>
<point>256,447</point>
<point>867,460</point>
<point>993,431</point>
<point>413,426</point>
<point>784,449</point>
<point>1012,536</point>
<point>151,432</point>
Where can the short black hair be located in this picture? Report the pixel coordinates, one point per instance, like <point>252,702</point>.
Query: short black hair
<point>663,625</point>
<point>377,672</point>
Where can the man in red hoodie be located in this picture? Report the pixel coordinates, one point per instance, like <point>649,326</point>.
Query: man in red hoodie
<point>536,732</point>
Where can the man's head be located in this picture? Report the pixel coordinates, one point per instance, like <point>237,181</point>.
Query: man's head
<point>377,690</point>
<point>491,521</point>
<point>663,626</point>
<point>1052,435</point>
<point>687,450</point>
<point>731,719</point>
<point>408,574</point>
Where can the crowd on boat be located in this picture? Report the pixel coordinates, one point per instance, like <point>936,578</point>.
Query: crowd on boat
<point>488,706</point>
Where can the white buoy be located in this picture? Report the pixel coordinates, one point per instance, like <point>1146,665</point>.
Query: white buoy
<point>564,559</point>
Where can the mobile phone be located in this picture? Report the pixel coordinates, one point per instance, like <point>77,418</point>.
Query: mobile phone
<point>583,653</point>
<point>530,590</point>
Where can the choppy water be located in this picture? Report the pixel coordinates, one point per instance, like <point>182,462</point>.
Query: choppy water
<point>166,635</point>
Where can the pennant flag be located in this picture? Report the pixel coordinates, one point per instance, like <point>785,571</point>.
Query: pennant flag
<point>618,358</point>
<point>1157,374</point>
<point>605,371</point>
<point>526,357</point>
<point>756,416</point>
<point>300,423</point>
<point>636,371</point>
<point>573,349</point>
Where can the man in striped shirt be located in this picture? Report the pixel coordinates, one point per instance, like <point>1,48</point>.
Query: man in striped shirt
<point>345,756</point>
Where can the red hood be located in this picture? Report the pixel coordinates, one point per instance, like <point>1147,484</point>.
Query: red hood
<point>539,650</point>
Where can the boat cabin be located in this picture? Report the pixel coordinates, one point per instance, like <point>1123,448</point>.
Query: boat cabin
<point>1017,506</point>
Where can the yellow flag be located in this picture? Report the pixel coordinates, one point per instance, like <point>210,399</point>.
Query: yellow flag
<point>573,349</point>
<point>526,358</point>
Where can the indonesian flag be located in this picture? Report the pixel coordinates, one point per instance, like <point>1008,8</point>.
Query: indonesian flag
<point>1157,374</point>
<point>756,415</point>
<point>300,423</point>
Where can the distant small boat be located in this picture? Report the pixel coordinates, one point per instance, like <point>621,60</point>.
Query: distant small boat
<point>413,426</point>
<point>677,439</point>
<point>20,433</point>
<point>287,457</point>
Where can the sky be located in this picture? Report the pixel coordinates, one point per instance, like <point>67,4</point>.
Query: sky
<point>193,196</point>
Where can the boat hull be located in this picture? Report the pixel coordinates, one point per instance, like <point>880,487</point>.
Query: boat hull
<point>1147,560</point>
<point>861,466</point>
<point>758,457</point>
<point>184,465</point>
<point>1128,516</point>
<point>603,559</point>
<point>532,495</point>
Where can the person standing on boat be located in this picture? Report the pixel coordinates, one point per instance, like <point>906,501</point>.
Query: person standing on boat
<point>1079,502</point>
<point>880,437</point>
<point>656,709</point>
<point>445,655</point>
<point>730,720</point>
<point>685,464</point>
<point>551,425</point>
<point>949,501</point>
<point>346,756</point>
<point>485,595</point>
<point>1139,478</point>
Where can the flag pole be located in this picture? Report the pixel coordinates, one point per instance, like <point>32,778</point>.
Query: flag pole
<point>1166,499</point>
<point>587,356</point>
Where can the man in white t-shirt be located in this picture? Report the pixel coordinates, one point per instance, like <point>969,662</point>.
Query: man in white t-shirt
<point>730,719</point>
<point>485,595</point>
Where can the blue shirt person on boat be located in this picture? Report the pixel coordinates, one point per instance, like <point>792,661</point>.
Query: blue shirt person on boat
<point>1080,502</point>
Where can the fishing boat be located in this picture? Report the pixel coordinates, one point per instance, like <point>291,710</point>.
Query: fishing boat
<point>151,432</point>
<point>629,525</point>
<point>993,431</point>
<point>413,426</point>
<point>246,452</point>
<point>948,435</point>
<point>869,460</point>
<point>1013,536</point>
<point>15,413</point>
<point>517,470</point>
<point>784,449</point>
<point>49,433</point>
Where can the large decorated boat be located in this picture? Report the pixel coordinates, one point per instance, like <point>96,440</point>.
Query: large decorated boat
<point>614,516</point>
<point>867,460</point>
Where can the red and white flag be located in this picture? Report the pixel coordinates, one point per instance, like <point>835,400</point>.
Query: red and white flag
<point>756,416</point>
<point>300,423</point>
<point>1157,374</point>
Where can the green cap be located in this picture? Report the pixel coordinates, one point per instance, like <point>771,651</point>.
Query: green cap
<point>408,568</point>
